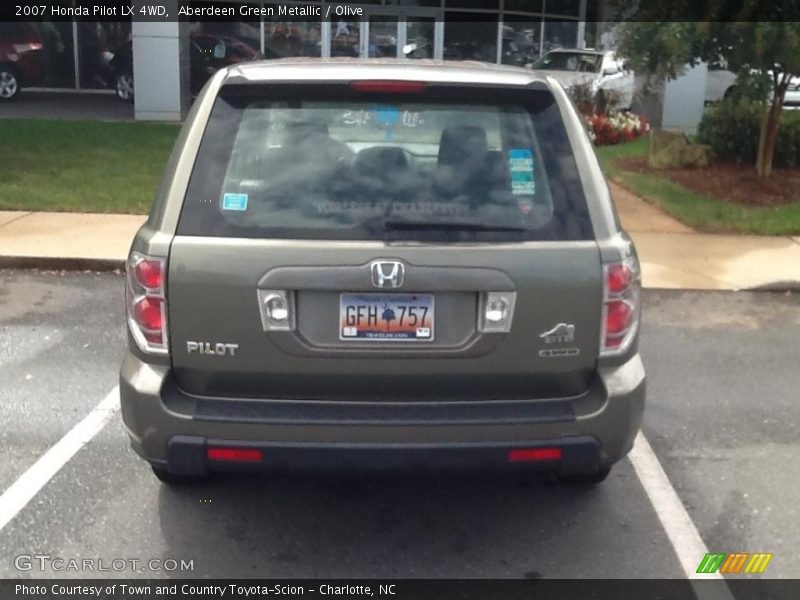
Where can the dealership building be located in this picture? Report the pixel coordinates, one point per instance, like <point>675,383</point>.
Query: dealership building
<point>171,59</point>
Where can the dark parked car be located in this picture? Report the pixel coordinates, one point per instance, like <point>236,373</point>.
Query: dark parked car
<point>21,58</point>
<point>382,262</point>
<point>208,52</point>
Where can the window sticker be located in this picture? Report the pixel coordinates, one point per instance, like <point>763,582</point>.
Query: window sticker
<point>387,117</point>
<point>234,202</point>
<point>520,164</point>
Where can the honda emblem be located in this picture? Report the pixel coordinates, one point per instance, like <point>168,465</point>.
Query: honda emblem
<point>387,273</point>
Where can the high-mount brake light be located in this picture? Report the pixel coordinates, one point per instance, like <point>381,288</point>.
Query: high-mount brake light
<point>621,297</point>
<point>388,86</point>
<point>147,303</point>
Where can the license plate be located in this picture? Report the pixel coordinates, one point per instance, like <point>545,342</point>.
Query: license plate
<point>386,317</point>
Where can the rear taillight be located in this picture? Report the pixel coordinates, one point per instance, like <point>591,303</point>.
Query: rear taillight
<point>147,303</point>
<point>621,292</point>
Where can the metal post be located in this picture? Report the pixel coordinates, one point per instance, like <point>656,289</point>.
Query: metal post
<point>76,54</point>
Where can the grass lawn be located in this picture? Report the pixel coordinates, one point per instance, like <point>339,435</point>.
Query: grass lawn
<point>703,213</point>
<point>82,166</point>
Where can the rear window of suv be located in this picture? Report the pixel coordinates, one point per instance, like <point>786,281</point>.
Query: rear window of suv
<point>327,162</point>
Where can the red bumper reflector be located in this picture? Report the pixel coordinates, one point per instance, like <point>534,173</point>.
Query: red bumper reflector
<point>533,454</point>
<point>235,454</point>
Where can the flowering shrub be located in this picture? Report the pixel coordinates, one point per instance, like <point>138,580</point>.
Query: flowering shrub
<point>614,128</point>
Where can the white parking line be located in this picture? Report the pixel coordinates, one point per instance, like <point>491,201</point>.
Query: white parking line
<point>677,523</point>
<point>22,491</point>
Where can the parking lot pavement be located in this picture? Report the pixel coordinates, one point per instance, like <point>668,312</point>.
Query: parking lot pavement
<point>723,415</point>
<point>61,342</point>
<point>719,365</point>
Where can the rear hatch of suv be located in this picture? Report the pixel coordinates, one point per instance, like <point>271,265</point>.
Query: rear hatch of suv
<point>384,241</point>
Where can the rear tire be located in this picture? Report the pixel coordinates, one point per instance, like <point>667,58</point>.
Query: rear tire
<point>9,83</point>
<point>165,476</point>
<point>592,478</point>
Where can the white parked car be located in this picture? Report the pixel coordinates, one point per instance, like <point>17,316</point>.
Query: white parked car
<point>601,69</point>
<point>720,83</point>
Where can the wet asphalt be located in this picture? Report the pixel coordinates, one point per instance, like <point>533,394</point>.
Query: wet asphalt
<point>722,416</point>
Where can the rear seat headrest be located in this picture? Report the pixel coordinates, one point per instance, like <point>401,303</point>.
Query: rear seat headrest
<point>460,143</point>
<point>381,160</point>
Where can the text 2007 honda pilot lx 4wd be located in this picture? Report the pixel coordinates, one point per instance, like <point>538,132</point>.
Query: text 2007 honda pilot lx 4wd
<point>382,262</point>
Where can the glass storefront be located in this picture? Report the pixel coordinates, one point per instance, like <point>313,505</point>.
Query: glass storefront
<point>217,44</point>
<point>298,38</point>
<point>79,55</point>
<point>58,54</point>
<point>469,39</point>
<point>97,45</point>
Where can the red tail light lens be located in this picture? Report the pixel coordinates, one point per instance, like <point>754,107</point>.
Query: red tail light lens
<point>618,317</point>
<point>149,274</point>
<point>148,314</point>
<point>618,277</point>
<point>397,87</point>
<point>147,304</point>
<point>621,306</point>
<point>235,454</point>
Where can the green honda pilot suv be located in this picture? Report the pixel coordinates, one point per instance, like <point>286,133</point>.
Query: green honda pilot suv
<point>382,263</point>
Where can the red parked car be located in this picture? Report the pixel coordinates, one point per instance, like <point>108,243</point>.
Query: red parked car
<point>21,58</point>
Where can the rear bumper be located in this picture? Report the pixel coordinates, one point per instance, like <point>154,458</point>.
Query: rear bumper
<point>172,429</point>
<point>187,455</point>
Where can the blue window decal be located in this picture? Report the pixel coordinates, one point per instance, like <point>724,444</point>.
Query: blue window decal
<point>234,202</point>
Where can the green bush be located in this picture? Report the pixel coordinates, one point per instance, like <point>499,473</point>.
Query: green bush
<point>732,130</point>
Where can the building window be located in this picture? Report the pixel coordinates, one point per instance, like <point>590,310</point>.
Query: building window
<point>560,34</point>
<point>567,8</point>
<point>292,38</point>
<point>521,40</point>
<point>54,64</point>
<point>345,37</point>
<point>526,5</point>
<point>98,43</point>
<point>479,4</point>
<point>217,44</point>
<point>467,38</point>
<point>411,3</point>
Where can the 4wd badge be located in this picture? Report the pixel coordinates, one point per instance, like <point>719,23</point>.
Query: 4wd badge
<point>563,333</point>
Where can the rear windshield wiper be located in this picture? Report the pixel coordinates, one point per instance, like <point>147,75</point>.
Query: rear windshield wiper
<point>406,225</point>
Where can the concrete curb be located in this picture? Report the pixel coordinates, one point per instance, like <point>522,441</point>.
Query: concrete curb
<point>776,286</point>
<point>54,263</point>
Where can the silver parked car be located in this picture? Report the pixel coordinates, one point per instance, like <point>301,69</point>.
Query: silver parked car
<point>382,263</point>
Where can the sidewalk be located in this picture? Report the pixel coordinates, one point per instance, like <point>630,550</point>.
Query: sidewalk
<point>672,255</point>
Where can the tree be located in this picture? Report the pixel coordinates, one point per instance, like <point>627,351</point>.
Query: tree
<point>758,39</point>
